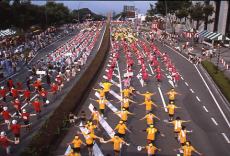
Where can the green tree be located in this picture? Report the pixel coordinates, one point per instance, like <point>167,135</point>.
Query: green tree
<point>174,9</point>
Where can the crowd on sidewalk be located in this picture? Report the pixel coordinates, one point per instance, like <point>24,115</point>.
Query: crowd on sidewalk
<point>22,100</point>
<point>14,54</point>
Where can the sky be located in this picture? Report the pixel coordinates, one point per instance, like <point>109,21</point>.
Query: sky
<point>102,7</point>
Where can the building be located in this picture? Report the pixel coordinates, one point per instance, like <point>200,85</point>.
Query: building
<point>129,11</point>
<point>221,23</point>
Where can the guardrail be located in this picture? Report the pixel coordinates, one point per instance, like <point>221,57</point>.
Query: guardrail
<point>49,133</point>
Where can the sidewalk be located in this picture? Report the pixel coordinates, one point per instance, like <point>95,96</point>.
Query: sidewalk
<point>224,60</point>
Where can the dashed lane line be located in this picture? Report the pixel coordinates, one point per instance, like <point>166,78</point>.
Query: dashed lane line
<point>186,83</point>
<point>214,121</point>
<point>205,109</point>
<point>217,104</point>
<point>198,98</point>
<point>191,90</point>
<point>226,138</point>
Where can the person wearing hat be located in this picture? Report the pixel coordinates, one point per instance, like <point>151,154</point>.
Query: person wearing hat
<point>149,118</point>
<point>76,144</point>
<point>90,139</point>
<point>121,129</point>
<point>151,149</point>
<point>26,94</point>
<point>106,88</point>
<point>188,149</point>
<point>3,93</point>
<point>117,144</point>
<point>95,116</point>
<point>147,95</point>
<point>172,94</point>
<point>177,125</point>
<point>16,130</point>
<point>148,105</point>
<point>124,114</point>
<point>125,103</point>
<point>102,102</point>
<point>171,109</point>
<point>6,116</point>
<point>17,106</point>
<point>91,126</point>
<point>151,133</point>
<point>5,142</point>
<point>101,92</point>
<point>26,118</point>
<point>37,106</point>
<point>43,94</point>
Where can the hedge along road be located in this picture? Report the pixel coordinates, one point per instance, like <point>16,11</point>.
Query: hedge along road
<point>60,96</point>
<point>209,128</point>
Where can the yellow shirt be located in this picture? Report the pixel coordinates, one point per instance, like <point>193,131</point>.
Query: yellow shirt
<point>77,143</point>
<point>147,96</point>
<point>96,115</point>
<point>101,92</point>
<point>124,115</point>
<point>148,105</point>
<point>151,149</point>
<point>182,136</point>
<point>126,92</point>
<point>151,133</point>
<point>125,103</point>
<point>121,128</point>
<point>171,109</point>
<point>177,125</point>
<point>188,150</point>
<point>117,143</point>
<point>106,86</point>
<point>149,118</point>
<point>89,138</point>
<point>172,95</point>
<point>102,103</point>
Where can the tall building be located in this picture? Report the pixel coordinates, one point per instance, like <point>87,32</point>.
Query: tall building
<point>221,15</point>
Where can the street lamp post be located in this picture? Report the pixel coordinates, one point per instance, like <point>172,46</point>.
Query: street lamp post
<point>218,58</point>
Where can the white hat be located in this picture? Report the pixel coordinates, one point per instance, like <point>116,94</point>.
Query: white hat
<point>2,87</point>
<point>24,111</point>
<point>5,108</point>
<point>3,133</point>
<point>14,121</point>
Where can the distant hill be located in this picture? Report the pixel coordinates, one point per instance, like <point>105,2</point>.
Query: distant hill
<point>85,13</point>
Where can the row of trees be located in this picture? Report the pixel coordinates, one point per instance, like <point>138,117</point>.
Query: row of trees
<point>24,15</point>
<point>177,10</point>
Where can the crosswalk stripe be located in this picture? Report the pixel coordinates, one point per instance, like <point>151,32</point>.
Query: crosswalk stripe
<point>114,109</point>
<point>103,123</point>
<point>162,98</point>
<point>113,93</point>
<point>113,82</point>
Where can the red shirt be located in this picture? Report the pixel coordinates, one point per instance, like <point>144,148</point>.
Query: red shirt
<point>54,88</point>
<point>37,106</point>
<point>43,93</point>
<point>17,105</point>
<point>25,116</point>
<point>6,115</point>
<point>14,92</point>
<point>15,128</point>
<point>3,92</point>
<point>4,142</point>
<point>10,83</point>
<point>27,93</point>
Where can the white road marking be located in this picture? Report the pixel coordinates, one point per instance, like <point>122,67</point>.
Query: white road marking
<point>114,109</point>
<point>186,83</point>
<point>214,121</point>
<point>182,78</point>
<point>217,104</point>
<point>162,98</point>
<point>26,103</point>
<point>191,90</point>
<point>118,69</point>
<point>113,82</point>
<point>96,149</point>
<point>113,93</point>
<point>198,98</point>
<point>226,138</point>
<point>170,80</point>
<point>205,109</point>
<point>151,69</point>
<point>103,123</point>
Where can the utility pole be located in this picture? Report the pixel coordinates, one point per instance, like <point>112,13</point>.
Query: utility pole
<point>218,58</point>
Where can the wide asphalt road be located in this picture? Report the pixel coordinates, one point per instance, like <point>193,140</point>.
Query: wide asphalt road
<point>200,102</point>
